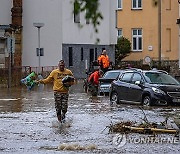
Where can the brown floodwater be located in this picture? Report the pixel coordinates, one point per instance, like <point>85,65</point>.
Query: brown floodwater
<point>29,124</point>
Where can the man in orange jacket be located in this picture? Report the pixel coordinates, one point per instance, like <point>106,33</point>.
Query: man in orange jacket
<point>104,61</point>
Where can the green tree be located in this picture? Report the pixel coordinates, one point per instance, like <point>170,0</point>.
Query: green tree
<point>122,48</point>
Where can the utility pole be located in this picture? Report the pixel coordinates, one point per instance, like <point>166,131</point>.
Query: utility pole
<point>38,26</point>
<point>159,31</point>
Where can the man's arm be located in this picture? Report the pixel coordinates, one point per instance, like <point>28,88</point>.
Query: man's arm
<point>90,79</point>
<point>48,79</point>
<point>72,82</point>
<point>96,79</point>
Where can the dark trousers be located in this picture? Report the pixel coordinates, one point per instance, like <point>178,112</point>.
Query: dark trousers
<point>61,103</point>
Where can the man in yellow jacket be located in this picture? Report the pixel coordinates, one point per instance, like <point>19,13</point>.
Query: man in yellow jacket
<point>104,61</point>
<point>61,90</point>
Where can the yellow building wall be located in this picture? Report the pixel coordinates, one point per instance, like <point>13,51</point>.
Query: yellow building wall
<point>147,19</point>
<point>170,32</point>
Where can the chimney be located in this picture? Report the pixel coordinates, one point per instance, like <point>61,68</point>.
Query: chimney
<point>16,26</point>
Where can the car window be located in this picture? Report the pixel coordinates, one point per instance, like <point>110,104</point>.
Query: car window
<point>126,77</point>
<point>111,75</point>
<point>136,77</point>
<point>160,78</point>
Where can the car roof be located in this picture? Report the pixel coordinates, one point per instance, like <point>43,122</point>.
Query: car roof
<point>114,71</point>
<point>144,71</point>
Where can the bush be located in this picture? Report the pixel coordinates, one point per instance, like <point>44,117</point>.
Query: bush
<point>122,48</point>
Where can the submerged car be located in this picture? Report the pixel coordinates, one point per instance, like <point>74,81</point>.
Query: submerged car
<point>105,81</point>
<point>145,87</point>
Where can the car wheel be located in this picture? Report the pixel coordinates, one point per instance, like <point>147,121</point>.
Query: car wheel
<point>114,98</point>
<point>147,101</point>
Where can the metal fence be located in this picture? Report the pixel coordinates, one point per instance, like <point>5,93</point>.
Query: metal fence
<point>18,73</point>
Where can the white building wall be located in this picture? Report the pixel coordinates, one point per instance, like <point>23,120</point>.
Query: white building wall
<point>112,22</point>
<point>85,35</point>
<point>5,12</point>
<point>48,12</point>
<point>57,15</point>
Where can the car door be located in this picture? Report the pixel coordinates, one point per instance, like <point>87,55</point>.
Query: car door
<point>123,88</point>
<point>135,91</point>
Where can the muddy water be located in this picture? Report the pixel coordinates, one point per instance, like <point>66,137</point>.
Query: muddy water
<point>29,124</point>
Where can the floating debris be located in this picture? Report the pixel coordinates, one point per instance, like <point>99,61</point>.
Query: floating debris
<point>118,127</point>
<point>75,146</point>
<point>129,127</point>
<point>146,127</point>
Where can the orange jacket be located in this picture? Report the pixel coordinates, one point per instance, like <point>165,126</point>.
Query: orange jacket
<point>94,77</point>
<point>103,61</point>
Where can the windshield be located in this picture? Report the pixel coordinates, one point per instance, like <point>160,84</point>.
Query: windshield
<point>160,78</point>
<point>111,75</point>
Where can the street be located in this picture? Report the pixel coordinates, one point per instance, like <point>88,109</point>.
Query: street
<point>29,124</point>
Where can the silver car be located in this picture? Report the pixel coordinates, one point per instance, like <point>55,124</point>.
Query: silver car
<point>105,81</point>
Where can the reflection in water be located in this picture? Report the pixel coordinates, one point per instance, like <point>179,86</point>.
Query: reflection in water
<point>20,99</point>
<point>11,100</point>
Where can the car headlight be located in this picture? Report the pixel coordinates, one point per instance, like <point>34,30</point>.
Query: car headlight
<point>158,91</point>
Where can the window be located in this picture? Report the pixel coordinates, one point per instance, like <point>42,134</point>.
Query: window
<point>91,56</point>
<point>111,75</point>
<point>127,77</point>
<point>70,56</point>
<point>119,33</point>
<point>119,4</point>
<point>137,39</point>
<point>136,4</point>
<point>2,46</point>
<point>76,14</point>
<point>136,77</point>
<point>95,54</point>
<point>82,54</point>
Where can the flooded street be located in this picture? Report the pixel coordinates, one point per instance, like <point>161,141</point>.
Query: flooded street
<point>29,123</point>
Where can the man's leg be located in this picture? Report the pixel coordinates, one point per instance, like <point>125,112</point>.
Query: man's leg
<point>58,105</point>
<point>64,105</point>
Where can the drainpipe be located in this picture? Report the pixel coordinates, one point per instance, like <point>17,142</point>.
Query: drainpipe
<point>159,32</point>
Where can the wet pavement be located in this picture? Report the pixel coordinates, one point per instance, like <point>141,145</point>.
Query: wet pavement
<point>29,124</point>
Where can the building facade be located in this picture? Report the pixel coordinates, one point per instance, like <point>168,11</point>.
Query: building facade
<point>63,35</point>
<point>5,19</point>
<point>11,33</point>
<point>151,27</point>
